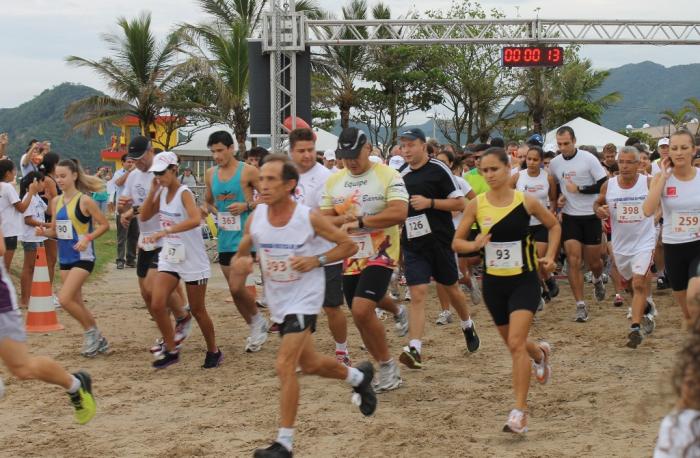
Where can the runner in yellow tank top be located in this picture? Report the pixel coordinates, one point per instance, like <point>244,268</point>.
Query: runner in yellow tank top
<point>511,287</point>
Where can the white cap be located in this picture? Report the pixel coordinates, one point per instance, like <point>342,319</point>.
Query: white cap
<point>163,160</point>
<point>664,142</point>
<point>375,159</point>
<point>396,162</point>
<point>329,155</point>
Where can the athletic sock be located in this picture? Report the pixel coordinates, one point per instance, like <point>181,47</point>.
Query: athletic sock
<point>386,363</point>
<point>466,324</point>
<point>416,343</point>
<point>255,319</point>
<point>75,385</point>
<point>355,376</point>
<point>634,326</point>
<point>285,436</point>
<point>341,346</point>
<point>580,303</point>
<point>597,279</point>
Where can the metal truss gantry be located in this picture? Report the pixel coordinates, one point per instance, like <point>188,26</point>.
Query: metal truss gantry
<point>286,32</point>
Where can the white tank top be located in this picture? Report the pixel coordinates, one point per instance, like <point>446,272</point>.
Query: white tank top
<point>680,201</point>
<point>287,291</point>
<point>632,232</point>
<point>536,187</point>
<point>183,252</point>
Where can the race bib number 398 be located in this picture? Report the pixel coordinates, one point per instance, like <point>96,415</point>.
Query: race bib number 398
<point>629,213</point>
<point>504,255</point>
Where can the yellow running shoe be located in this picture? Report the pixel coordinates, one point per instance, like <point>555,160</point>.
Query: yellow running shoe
<point>82,400</point>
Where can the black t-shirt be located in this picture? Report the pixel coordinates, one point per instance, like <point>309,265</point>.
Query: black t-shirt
<point>433,181</point>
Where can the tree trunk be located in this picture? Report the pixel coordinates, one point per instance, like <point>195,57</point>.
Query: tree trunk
<point>344,117</point>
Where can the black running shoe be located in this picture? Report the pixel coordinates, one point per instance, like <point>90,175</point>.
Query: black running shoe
<point>410,357</point>
<point>553,287</point>
<point>472,338</point>
<point>213,359</point>
<point>166,359</point>
<point>368,398</point>
<point>635,337</point>
<point>276,450</point>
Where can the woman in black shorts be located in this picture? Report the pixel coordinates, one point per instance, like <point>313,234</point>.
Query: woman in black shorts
<point>676,189</point>
<point>511,286</point>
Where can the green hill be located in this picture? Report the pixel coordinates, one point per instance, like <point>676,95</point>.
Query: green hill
<point>42,118</point>
<point>647,89</point>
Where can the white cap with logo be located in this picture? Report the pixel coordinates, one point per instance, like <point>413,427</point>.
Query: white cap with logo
<point>163,160</point>
<point>664,142</point>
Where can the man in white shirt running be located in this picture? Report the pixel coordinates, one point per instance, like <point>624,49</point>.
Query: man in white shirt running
<point>580,177</point>
<point>286,235</point>
<point>312,181</point>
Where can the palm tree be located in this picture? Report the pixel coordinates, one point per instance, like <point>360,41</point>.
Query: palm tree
<point>140,75</point>
<point>694,108</point>
<point>676,118</point>
<point>218,52</point>
<point>343,64</point>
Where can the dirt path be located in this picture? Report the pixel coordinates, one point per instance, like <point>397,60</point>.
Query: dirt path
<point>605,399</point>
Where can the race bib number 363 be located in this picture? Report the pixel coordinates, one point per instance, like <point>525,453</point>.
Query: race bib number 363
<point>229,222</point>
<point>504,255</point>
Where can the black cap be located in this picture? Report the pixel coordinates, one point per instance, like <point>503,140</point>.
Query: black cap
<point>138,146</point>
<point>350,143</point>
<point>413,134</point>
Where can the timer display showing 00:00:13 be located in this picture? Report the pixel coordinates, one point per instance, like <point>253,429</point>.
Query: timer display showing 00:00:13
<point>532,56</point>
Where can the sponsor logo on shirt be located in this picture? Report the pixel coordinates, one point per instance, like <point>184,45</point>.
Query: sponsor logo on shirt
<point>670,191</point>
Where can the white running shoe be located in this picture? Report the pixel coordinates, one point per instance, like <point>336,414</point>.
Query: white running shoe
<point>91,342</point>
<point>258,336</point>
<point>56,304</point>
<point>401,320</point>
<point>517,422</point>
<point>475,291</point>
<point>444,318</point>
<point>543,370</point>
<point>183,328</point>
<point>381,314</point>
<point>388,378</point>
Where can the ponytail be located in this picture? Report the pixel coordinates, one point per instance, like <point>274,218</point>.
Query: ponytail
<point>84,183</point>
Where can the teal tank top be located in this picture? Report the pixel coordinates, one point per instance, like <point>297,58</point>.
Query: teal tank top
<point>226,193</point>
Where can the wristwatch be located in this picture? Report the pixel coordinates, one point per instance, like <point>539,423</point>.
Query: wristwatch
<point>136,209</point>
<point>322,260</point>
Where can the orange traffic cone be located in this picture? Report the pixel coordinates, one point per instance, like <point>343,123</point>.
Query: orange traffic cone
<point>41,316</point>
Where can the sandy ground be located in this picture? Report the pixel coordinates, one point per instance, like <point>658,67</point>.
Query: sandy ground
<point>605,399</point>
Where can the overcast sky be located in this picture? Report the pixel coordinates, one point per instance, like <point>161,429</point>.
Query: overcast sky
<point>37,35</point>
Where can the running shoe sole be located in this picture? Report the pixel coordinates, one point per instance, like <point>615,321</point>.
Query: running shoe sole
<point>634,339</point>
<point>408,360</point>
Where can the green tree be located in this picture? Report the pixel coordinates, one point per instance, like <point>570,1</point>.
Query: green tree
<point>140,74</point>
<point>343,65</point>
<point>693,105</point>
<point>477,93</point>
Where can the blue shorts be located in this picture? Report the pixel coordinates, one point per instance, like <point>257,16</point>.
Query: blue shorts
<point>30,246</point>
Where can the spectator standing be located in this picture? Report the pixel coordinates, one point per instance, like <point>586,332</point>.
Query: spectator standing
<point>127,236</point>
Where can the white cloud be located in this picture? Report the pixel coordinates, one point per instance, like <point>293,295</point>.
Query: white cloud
<point>39,34</point>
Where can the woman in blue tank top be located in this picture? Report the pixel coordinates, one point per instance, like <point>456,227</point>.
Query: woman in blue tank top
<point>76,222</point>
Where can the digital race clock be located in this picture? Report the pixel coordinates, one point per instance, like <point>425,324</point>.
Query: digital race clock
<point>532,56</point>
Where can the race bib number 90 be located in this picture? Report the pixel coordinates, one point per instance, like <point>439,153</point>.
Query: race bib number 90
<point>504,255</point>
<point>629,213</point>
<point>687,222</point>
<point>278,268</point>
<point>64,229</point>
<point>417,226</point>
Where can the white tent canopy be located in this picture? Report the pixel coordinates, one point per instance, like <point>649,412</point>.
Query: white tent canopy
<point>589,133</point>
<point>325,141</point>
<point>196,149</point>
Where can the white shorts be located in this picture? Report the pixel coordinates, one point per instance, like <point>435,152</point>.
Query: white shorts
<point>636,264</point>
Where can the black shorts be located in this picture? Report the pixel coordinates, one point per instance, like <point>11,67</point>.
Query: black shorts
<point>296,323</point>
<point>505,295</point>
<point>11,243</point>
<point>586,229</point>
<point>203,281</point>
<point>146,260</point>
<point>334,285</point>
<point>539,233</point>
<point>85,265</point>
<point>473,232</point>
<point>371,284</point>
<point>682,263</point>
<point>436,261</point>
